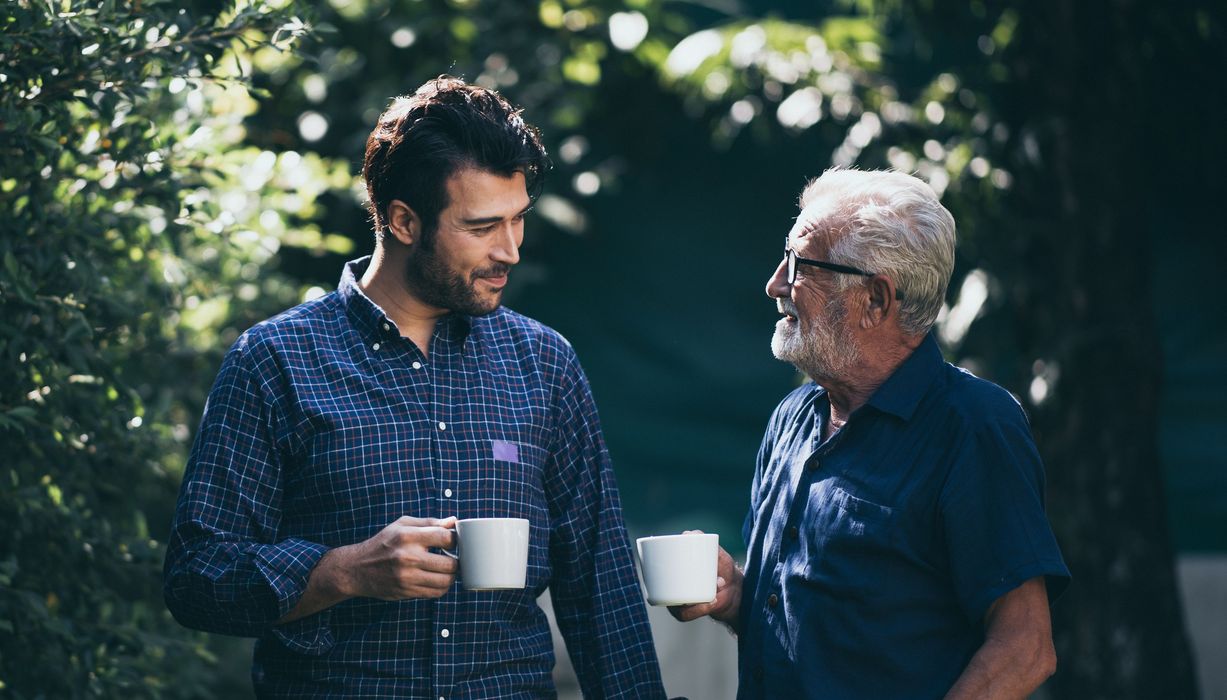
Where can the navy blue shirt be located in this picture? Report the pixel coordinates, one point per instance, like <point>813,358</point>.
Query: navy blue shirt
<point>325,425</point>
<point>874,556</point>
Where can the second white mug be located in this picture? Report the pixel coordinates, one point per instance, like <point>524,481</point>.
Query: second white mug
<point>679,569</point>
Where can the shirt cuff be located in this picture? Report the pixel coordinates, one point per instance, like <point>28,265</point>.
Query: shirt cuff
<point>287,568</point>
<point>310,636</point>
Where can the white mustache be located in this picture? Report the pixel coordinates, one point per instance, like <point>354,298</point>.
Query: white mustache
<point>785,306</point>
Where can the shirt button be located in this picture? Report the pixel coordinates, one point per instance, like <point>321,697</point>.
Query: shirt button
<point>773,600</point>
<point>813,465</point>
<point>386,327</point>
<point>375,346</point>
<point>417,365</point>
<point>445,634</point>
<point>447,493</point>
<point>442,425</point>
<point>793,532</point>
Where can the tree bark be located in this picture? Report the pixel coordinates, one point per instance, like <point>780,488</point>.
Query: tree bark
<point>1085,67</point>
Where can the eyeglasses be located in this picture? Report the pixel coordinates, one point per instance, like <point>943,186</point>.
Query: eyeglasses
<point>794,260</point>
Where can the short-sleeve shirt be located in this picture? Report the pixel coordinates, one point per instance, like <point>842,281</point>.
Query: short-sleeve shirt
<point>874,556</point>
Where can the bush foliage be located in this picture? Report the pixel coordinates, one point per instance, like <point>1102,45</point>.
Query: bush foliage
<point>127,205</point>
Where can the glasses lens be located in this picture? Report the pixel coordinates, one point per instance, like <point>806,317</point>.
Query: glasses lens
<point>792,266</point>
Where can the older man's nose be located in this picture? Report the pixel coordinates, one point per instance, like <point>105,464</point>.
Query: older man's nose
<point>777,285</point>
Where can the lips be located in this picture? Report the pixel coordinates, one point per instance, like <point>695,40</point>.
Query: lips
<point>786,309</point>
<point>495,276</point>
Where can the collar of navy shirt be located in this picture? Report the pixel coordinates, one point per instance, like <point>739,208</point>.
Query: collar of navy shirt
<point>901,393</point>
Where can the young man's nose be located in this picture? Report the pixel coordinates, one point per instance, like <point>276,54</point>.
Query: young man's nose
<point>507,248</point>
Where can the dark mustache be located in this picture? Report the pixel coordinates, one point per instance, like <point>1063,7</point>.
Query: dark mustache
<point>495,270</point>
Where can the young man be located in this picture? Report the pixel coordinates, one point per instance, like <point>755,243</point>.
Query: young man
<point>343,438</point>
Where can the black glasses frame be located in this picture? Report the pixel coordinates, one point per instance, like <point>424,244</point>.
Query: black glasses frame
<point>794,260</point>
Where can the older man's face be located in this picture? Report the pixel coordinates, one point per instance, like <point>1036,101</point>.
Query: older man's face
<point>815,332</point>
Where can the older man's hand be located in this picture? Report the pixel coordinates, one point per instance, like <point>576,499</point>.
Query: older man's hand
<point>727,603</point>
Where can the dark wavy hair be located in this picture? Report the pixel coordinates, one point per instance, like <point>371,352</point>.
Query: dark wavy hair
<point>446,126</point>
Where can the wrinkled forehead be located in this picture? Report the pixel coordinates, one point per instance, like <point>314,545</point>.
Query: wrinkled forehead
<point>818,226</point>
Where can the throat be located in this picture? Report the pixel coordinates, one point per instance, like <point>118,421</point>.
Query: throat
<point>831,426</point>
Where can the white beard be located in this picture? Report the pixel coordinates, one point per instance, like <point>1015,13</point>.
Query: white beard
<point>824,349</point>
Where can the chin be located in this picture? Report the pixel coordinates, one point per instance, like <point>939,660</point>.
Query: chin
<point>785,345</point>
<point>488,306</point>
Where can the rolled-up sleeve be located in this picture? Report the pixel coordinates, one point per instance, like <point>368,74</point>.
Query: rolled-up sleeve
<point>227,568</point>
<point>594,588</point>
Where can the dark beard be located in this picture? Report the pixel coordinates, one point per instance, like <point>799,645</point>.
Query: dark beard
<point>434,283</point>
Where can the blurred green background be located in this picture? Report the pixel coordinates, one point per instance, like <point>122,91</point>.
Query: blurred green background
<point>175,172</point>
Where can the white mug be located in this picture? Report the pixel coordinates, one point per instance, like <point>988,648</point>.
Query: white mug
<point>679,569</point>
<point>493,553</point>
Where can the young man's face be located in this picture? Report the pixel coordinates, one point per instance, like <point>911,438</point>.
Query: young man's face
<point>476,242</point>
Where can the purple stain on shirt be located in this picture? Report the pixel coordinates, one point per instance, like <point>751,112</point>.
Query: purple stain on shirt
<point>505,451</point>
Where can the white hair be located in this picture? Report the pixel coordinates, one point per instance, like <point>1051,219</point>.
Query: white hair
<point>893,224</point>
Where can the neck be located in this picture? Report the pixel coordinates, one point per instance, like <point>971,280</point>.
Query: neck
<point>384,282</point>
<point>856,385</point>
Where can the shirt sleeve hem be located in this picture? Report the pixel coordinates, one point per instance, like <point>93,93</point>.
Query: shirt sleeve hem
<point>1056,577</point>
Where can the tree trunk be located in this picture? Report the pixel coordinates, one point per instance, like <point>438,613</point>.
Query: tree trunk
<point>1085,68</point>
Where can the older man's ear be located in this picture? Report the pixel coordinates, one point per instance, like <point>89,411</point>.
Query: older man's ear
<point>880,302</point>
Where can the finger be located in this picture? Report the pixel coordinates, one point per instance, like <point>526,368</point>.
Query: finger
<point>410,521</point>
<point>686,613</point>
<point>433,536</point>
<point>426,582</point>
<point>439,563</point>
<point>692,532</point>
<point>449,522</point>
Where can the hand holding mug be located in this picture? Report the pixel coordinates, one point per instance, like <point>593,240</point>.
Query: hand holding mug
<point>397,562</point>
<point>725,607</point>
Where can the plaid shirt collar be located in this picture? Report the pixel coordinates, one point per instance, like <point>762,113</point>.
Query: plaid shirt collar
<point>373,324</point>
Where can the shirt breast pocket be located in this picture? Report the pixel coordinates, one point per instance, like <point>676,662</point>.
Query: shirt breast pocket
<point>512,479</point>
<point>845,535</point>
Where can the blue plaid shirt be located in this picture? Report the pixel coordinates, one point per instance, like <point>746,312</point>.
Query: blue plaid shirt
<point>325,425</point>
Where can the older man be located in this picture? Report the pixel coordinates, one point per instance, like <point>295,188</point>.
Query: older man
<point>897,541</point>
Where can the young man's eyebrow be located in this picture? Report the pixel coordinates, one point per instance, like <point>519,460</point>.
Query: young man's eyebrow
<point>493,219</point>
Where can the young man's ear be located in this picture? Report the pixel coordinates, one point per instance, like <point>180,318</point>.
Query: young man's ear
<point>403,223</point>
